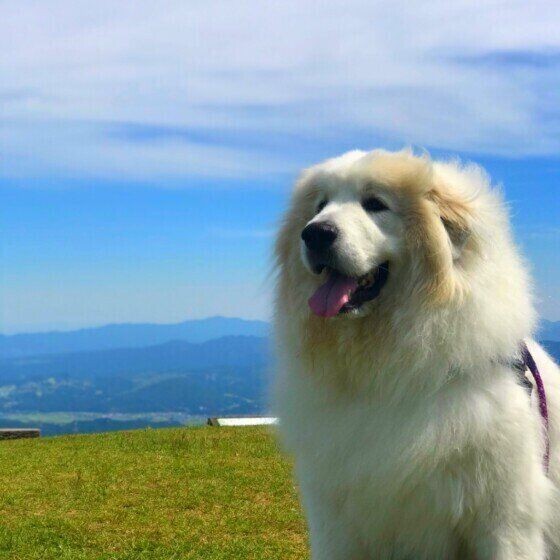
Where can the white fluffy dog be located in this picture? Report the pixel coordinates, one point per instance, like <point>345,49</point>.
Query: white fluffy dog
<point>400,309</point>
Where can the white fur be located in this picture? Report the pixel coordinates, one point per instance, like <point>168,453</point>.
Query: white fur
<point>410,440</point>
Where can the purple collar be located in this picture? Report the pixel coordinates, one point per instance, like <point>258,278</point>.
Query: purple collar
<point>529,362</point>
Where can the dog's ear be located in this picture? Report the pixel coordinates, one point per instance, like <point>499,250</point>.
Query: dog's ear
<point>455,216</point>
<point>458,235</point>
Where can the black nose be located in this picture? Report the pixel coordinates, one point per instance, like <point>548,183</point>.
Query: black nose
<point>319,235</point>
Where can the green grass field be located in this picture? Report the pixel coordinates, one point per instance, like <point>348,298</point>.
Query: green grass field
<point>219,493</point>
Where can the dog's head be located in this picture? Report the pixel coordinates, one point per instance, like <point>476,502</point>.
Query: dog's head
<point>418,251</point>
<point>365,227</point>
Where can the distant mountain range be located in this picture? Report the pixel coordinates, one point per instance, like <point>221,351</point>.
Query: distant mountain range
<point>132,375</point>
<point>127,335</point>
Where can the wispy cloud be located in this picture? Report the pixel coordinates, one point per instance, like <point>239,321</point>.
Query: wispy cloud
<point>229,89</point>
<point>514,59</point>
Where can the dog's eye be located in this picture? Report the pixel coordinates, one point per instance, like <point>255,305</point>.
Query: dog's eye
<point>373,204</point>
<point>321,205</point>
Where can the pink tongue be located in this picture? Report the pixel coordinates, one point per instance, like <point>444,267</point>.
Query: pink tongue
<point>329,298</point>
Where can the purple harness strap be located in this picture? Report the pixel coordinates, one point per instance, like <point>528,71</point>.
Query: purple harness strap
<point>530,363</point>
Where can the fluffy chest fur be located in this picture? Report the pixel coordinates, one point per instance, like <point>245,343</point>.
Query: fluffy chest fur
<point>395,471</point>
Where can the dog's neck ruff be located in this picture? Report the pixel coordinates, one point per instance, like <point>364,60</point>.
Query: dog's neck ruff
<point>531,365</point>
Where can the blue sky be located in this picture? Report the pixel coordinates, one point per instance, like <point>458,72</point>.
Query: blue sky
<point>147,149</point>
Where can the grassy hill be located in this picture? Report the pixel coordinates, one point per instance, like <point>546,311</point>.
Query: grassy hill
<point>190,493</point>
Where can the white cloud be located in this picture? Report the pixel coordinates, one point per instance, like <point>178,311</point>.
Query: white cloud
<point>76,149</point>
<point>409,72</point>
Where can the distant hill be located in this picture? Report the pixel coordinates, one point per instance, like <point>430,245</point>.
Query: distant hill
<point>225,375</point>
<point>549,330</point>
<point>158,385</point>
<point>127,336</point>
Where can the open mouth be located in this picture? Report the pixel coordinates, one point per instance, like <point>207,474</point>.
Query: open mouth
<point>342,294</point>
